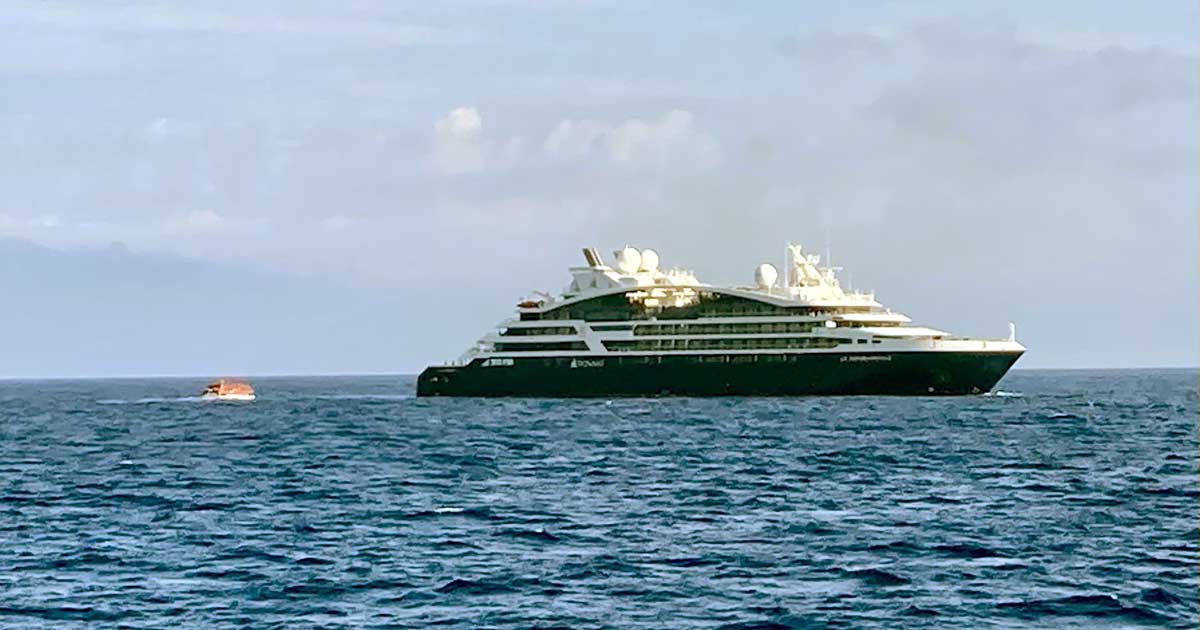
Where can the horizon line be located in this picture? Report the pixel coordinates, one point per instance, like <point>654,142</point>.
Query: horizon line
<point>414,374</point>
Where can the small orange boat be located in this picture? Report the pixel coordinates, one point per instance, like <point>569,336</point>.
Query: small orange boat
<point>226,389</point>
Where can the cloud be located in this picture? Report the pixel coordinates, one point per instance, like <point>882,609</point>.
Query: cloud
<point>24,227</point>
<point>206,220</point>
<point>670,142</point>
<point>576,139</point>
<point>672,139</point>
<point>458,144</point>
<point>1005,103</point>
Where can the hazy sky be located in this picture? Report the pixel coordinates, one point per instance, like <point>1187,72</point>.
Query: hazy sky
<point>408,171</point>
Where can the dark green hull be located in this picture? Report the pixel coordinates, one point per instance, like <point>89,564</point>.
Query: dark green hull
<point>799,374</point>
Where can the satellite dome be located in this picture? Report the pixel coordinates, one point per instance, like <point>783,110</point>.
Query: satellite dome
<point>649,260</point>
<point>628,260</point>
<point>765,276</point>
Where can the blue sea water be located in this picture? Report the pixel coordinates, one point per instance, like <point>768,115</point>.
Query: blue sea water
<point>1064,500</point>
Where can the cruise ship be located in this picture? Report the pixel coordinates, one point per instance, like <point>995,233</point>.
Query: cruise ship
<point>633,329</point>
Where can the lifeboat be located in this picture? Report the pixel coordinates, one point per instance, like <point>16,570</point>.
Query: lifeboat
<point>228,390</point>
<point>529,304</point>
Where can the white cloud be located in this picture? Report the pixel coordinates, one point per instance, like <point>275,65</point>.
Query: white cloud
<point>23,227</point>
<point>458,144</point>
<point>206,220</point>
<point>575,139</point>
<point>671,140</point>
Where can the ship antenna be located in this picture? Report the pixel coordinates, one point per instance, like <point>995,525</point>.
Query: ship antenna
<point>828,250</point>
<point>787,267</point>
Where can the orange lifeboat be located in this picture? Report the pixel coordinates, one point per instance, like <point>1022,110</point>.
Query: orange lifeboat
<point>225,389</point>
<point>528,304</point>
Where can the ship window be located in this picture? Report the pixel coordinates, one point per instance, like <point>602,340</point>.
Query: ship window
<point>549,346</point>
<point>862,341</point>
<point>550,330</point>
<point>875,341</point>
<point>600,327</point>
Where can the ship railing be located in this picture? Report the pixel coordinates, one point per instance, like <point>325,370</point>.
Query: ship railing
<point>951,341</point>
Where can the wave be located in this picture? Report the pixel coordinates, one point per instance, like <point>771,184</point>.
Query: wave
<point>1159,595</point>
<point>246,552</point>
<point>600,566</point>
<point>461,586</point>
<point>687,562</point>
<point>969,551</point>
<point>760,625</point>
<point>324,588</point>
<point>1080,606</point>
<point>312,561</point>
<point>877,577</point>
<point>480,513</point>
<point>539,535</point>
<point>65,613</point>
<point>899,545</point>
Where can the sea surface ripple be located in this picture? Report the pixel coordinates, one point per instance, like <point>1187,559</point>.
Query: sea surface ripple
<point>1066,500</point>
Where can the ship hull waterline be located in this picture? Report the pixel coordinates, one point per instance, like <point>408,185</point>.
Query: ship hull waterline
<point>797,374</point>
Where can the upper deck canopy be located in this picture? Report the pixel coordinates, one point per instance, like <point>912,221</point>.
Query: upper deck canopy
<point>679,303</point>
<point>638,289</point>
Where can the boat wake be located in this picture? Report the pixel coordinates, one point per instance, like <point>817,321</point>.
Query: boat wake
<point>149,400</point>
<point>1003,394</point>
<point>205,399</point>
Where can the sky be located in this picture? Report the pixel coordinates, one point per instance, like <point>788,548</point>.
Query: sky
<point>370,186</point>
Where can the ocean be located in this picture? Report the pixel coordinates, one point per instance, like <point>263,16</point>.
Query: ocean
<point>1066,499</point>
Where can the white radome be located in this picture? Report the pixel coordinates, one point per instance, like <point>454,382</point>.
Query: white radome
<point>629,260</point>
<point>649,260</point>
<point>765,276</point>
